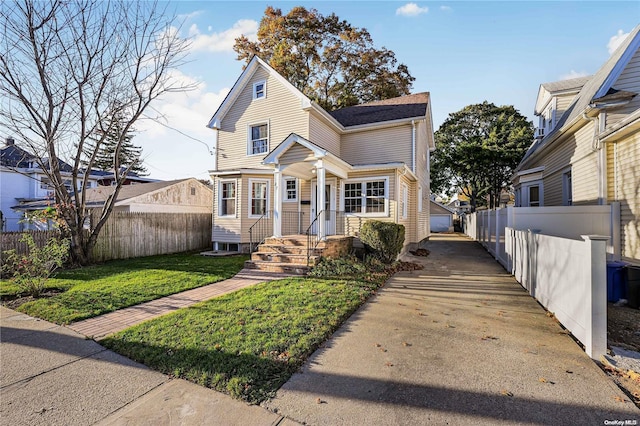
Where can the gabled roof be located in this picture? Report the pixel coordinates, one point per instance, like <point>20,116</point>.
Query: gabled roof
<point>242,82</point>
<point>596,87</point>
<point>403,107</point>
<point>563,85</point>
<point>16,157</point>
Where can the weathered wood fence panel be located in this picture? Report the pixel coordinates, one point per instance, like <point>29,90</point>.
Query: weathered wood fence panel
<point>127,235</point>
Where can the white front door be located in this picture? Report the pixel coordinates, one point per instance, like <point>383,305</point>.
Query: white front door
<point>329,206</point>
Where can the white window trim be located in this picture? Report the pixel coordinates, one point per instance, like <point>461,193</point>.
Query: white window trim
<point>249,140</point>
<point>264,89</point>
<point>567,187</point>
<point>220,183</point>
<point>404,194</point>
<point>285,193</point>
<point>250,190</point>
<point>364,180</point>
<point>526,202</point>
<point>419,199</point>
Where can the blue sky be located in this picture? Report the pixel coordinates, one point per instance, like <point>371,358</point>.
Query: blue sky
<point>461,52</point>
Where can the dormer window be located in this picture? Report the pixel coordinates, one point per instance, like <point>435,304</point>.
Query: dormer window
<point>260,89</point>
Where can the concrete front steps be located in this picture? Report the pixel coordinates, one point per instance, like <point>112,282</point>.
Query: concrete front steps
<point>288,254</point>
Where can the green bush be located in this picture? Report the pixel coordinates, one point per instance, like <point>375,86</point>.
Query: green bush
<point>383,239</point>
<point>343,267</point>
<point>31,271</point>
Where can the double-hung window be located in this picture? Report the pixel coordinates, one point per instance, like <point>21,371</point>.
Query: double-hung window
<point>534,196</point>
<point>366,197</point>
<point>290,190</point>
<point>258,197</point>
<point>260,90</point>
<point>227,198</point>
<point>258,139</point>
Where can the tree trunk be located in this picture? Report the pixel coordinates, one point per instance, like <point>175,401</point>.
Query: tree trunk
<point>80,253</point>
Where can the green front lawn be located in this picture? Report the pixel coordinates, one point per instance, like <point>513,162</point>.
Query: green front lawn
<point>247,343</point>
<point>95,290</point>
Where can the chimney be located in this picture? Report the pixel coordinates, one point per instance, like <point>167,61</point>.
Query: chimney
<point>10,141</point>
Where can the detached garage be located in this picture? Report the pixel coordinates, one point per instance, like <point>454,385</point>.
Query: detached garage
<point>441,218</point>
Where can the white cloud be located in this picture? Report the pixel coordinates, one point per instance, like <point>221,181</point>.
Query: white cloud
<point>445,8</point>
<point>222,41</point>
<point>573,74</point>
<point>174,136</point>
<point>616,40</point>
<point>411,9</point>
<point>191,15</point>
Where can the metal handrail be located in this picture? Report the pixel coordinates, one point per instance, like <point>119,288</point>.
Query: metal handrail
<point>259,230</point>
<point>310,236</point>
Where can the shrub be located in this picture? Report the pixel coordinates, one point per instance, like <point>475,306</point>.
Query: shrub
<point>338,268</point>
<point>384,239</point>
<point>31,271</point>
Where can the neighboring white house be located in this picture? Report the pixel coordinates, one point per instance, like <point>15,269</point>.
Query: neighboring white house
<point>22,180</point>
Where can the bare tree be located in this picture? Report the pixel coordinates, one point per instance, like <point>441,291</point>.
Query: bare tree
<point>65,66</point>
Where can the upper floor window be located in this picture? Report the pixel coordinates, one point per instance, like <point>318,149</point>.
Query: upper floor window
<point>260,89</point>
<point>258,139</point>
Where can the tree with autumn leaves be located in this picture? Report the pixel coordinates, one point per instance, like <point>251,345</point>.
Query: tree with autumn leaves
<point>326,58</point>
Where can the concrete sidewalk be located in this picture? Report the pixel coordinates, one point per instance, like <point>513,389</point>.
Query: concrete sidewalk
<point>459,342</point>
<point>50,375</point>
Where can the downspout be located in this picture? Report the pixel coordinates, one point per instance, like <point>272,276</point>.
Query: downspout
<point>600,162</point>
<point>413,146</point>
<point>215,149</point>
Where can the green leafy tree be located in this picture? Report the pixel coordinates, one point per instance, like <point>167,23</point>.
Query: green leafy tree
<point>328,59</point>
<point>116,150</point>
<point>477,150</point>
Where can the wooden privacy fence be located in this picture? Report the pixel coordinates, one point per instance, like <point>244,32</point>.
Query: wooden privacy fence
<point>127,235</point>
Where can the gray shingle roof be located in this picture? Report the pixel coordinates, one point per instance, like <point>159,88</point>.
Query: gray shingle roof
<point>562,85</point>
<point>386,110</point>
<point>587,93</point>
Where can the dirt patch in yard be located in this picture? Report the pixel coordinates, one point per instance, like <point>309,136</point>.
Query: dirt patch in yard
<point>623,330</point>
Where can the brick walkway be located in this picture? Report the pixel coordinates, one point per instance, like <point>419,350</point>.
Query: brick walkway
<point>103,325</point>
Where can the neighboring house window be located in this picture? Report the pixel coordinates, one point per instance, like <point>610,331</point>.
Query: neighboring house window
<point>227,198</point>
<point>258,139</point>
<point>567,190</point>
<point>420,199</point>
<point>291,189</point>
<point>260,90</point>
<point>45,183</point>
<point>534,196</point>
<point>366,197</point>
<point>404,200</point>
<point>258,197</point>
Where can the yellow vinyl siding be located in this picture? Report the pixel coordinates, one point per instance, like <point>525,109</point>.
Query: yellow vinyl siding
<point>296,154</point>
<point>629,80</point>
<point>584,167</point>
<point>280,109</point>
<point>324,136</point>
<point>391,144</point>
<point>626,188</point>
<point>562,103</point>
<point>243,202</point>
<point>227,229</point>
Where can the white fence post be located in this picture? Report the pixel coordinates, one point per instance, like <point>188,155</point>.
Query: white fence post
<point>596,339</point>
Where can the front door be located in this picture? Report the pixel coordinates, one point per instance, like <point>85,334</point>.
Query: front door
<point>329,206</point>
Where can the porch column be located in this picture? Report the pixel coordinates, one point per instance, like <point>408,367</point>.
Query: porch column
<point>277,202</point>
<point>320,200</point>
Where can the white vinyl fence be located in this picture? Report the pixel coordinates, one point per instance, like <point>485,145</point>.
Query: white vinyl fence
<point>488,226</point>
<point>568,277</point>
<point>559,255</point>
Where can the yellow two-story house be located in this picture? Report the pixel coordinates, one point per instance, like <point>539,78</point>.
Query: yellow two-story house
<point>285,166</point>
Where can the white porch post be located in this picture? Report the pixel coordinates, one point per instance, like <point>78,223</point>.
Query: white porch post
<point>320,200</point>
<point>277,202</point>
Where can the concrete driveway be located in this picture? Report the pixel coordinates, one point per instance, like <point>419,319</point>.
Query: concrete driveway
<point>459,342</point>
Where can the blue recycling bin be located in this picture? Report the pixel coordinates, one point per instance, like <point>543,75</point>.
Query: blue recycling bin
<point>616,281</point>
